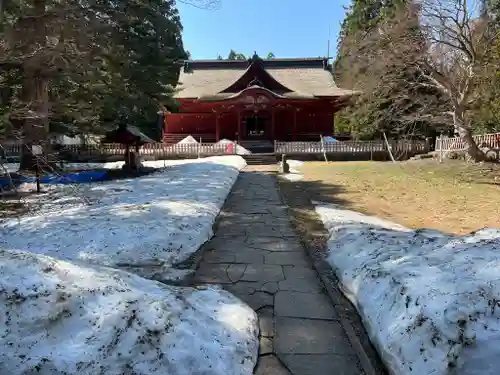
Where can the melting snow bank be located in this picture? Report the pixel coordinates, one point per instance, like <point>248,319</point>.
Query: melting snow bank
<point>160,218</point>
<point>295,170</point>
<point>62,318</point>
<point>430,302</point>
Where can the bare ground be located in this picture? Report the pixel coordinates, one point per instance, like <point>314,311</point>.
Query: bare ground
<point>453,197</point>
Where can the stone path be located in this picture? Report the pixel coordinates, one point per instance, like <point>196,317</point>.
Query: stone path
<point>256,255</point>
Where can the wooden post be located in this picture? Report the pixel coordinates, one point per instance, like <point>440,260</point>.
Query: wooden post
<point>37,176</point>
<point>440,146</point>
<point>427,144</point>
<point>285,168</point>
<point>322,140</point>
<point>388,147</point>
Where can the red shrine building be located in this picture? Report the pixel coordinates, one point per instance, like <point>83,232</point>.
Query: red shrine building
<point>255,100</point>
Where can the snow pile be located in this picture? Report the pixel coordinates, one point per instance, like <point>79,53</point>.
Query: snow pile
<point>240,150</point>
<point>10,167</point>
<point>295,170</point>
<point>430,301</point>
<point>159,218</point>
<point>119,164</point>
<point>295,165</point>
<point>188,140</point>
<point>64,318</point>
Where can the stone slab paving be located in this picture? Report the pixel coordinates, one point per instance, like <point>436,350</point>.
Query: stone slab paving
<point>256,255</point>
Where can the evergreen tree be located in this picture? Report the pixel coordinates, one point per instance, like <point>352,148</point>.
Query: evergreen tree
<point>364,62</point>
<point>78,65</point>
<point>233,55</point>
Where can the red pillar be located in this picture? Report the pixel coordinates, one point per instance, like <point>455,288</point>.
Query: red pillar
<point>165,116</point>
<point>273,124</point>
<point>217,127</point>
<point>332,117</point>
<point>294,131</point>
<point>239,125</point>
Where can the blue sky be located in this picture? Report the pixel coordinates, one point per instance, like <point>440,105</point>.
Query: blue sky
<point>288,28</point>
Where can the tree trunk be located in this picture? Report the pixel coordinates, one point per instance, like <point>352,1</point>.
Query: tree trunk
<point>465,132</point>
<point>35,124</point>
<point>35,92</point>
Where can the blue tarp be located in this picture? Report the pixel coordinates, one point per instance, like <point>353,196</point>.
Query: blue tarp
<point>71,178</point>
<point>329,139</point>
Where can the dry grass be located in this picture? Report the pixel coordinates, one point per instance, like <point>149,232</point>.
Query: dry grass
<point>453,197</point>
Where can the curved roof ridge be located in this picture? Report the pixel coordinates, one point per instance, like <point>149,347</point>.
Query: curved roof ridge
<point>229,96</point>
<point>256,64</point>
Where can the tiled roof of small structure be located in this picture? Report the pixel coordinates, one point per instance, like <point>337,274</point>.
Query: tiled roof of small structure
<point>127,134</point>
<point>307,77</point>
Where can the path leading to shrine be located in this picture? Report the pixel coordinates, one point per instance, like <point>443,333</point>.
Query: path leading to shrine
<point>256,255</point>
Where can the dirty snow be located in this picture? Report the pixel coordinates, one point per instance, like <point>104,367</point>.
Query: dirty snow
<point>58,317</point>
<point>188,140</point>
<point>295,170</point>
<point>161,218</point>
<point>430,301</point>
<point>13,167</point>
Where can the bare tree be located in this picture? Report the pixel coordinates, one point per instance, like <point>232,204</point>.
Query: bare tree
<point>458,44</point>
<point>379,61</point>
<point>202,4</point>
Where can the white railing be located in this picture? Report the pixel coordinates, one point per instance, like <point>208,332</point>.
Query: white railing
<point>457,144</point>
<point>153,149</point>
<point>188,149</point>
<point>329,147</point>
<point>349,147</point>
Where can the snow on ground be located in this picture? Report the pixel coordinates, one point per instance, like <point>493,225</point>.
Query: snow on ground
<point>58,317</point>
<point>13,167</point>
<point>430,301</point>
<point>10,167</point>
<point>161,218</point>
<point>295,170</point>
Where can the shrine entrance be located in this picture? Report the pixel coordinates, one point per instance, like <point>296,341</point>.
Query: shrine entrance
<point>256,126</point>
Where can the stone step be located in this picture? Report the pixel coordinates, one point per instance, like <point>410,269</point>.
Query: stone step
<point>257,143</point>
<point>258,146</point>
<point>260,159</point>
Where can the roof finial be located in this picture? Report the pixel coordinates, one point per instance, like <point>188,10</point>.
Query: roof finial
<point>255,57</point>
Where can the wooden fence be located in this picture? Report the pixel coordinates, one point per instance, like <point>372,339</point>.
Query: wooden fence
<point>457,143</point>
<point>366,149</point>
<point>157,150</point>
<point>397,147</point>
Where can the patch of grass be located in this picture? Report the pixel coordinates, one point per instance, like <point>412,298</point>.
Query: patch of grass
<point>11,208</point>
<point>454,197</point>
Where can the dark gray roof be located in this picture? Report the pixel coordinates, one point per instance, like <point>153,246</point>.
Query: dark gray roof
<point>127,134</point>
<point>306,77</point>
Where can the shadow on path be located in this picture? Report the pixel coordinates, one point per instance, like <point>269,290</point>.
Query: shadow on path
<point>256,255</point>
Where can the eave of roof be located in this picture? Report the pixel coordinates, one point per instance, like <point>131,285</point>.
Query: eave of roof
<point>303,77</point>
<point>267,63</point>
<point>230,96</point>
